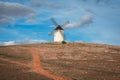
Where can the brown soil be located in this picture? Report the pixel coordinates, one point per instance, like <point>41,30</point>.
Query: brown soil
<point>12,70</point>
<point>37,66</point>
<point>14,62</point>
<point>48,61</point>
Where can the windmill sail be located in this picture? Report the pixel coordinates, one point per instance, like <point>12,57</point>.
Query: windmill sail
<point>58,31</point>
<point>54,22</point>
<point>67,22</point>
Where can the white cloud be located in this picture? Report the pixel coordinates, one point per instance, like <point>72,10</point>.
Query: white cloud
<point>7,43</point>
<point>105,41</point>
<point>10,11</point>
<point>26,41</point>
<point>87,19</point>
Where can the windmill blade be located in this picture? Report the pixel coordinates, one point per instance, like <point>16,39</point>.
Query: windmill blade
<point>54,22</point>
<point>50,33</point>
<point>67,22</point>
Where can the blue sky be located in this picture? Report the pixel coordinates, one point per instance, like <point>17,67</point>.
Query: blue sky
<point>28,21</point>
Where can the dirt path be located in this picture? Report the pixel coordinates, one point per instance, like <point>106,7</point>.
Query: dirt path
<point>37,66</point>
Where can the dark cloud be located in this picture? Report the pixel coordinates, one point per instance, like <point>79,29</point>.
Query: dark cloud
<point>97,1</point>
<point>6,20</point>
<point>39,3</point>
<point>10,11</point>
<point>103,1</point>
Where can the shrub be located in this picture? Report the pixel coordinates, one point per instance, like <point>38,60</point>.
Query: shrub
<point>63,42</point>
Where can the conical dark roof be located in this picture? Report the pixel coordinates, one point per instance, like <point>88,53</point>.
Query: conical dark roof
<point>59,28</point>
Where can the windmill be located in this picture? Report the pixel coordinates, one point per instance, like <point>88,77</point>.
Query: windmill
<point>58,31</point>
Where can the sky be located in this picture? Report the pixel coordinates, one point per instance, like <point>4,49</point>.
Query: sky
<point>29,21</point>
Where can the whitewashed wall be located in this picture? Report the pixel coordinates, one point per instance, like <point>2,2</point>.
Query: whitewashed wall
<point>58,35</point>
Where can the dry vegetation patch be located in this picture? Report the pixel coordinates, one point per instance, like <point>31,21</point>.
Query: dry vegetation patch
<point>78,61</point>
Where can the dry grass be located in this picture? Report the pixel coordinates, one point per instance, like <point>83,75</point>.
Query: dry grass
<point>10,71</point>
<point>16,53</point>
<point>78,61</point>
<point>81,61</point>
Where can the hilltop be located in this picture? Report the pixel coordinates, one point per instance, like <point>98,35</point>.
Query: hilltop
<point>71,61</point>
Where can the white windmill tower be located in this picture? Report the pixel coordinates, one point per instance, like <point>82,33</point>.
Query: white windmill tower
<point>58,31</point>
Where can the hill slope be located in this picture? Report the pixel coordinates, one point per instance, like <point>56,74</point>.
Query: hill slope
<point>75,61</point>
